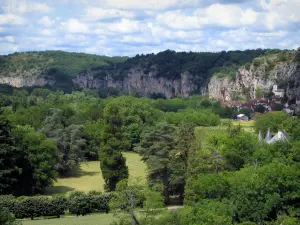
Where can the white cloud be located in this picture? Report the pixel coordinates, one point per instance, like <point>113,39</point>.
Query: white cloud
<point>10,39</point>
<point>95,13</point>
<point>162,34</point>
<point>226,15</point>
<point>24,6</point>
<point>216,14</point>
<point>11,19</point>
<point>6,48</point>
<point>74,26</point>
<point>152,4</point>
<point>280,13</point>
<point>48,32</point>
<point>7,39</point>
<point>124,26</point>
<point>46,21</point>
<point>118,27</point>
<point>178,20</point>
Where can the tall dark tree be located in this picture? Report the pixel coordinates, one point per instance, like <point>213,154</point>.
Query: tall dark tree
<point>112,162</point>
<point>156,146</point>
<point>9,171</point>
<point>184,141</point>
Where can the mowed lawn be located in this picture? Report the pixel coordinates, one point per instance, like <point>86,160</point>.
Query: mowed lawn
<point>94,219</point>
<point>90,178</point>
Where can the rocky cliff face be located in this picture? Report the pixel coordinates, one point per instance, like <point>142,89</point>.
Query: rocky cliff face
<point>137,80</point>
<point>250,79</point>
<point>264,72</point>
<point>18,81</point>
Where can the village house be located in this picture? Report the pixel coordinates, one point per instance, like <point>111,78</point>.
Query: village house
<point>278,92</point>
<point>280,136</point>
<point>242,117</point>
<point>289,110</point>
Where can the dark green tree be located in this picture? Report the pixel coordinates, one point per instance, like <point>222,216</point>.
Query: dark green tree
<point>155,147</point>
<point>184,141</point>
<point>112,162</point>
<point>9,171</point>
<point>71,142</point>
<point>37,160</point>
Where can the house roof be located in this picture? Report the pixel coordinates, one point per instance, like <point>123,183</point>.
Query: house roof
<point>268,136</point>
<point>280,136</point>
<point>279,90</point>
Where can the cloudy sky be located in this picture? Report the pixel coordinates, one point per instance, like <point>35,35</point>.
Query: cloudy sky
<point>129,27</point>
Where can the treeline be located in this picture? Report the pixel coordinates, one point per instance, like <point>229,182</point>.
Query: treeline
<point>56,63</point>
<point>171,64</point>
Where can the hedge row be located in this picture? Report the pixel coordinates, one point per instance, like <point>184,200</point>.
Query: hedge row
<point>77,203</point>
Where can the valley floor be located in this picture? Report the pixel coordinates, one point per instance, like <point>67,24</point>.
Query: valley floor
<point>90,178</point>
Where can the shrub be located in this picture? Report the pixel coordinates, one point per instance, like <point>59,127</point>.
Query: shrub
<point>77,203</point>
<point>32,207</point>
<point>57,206</point>
<point>256,62</point>
<point>8,201</point>
<point>81,203</point>
<point>6,217</point>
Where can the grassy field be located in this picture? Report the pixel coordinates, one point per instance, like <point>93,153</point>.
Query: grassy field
<point>202,133</point>
<point>89,176</point>
<point>94,219</point>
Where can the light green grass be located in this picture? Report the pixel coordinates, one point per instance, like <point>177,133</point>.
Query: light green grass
<point>202,133</point>
<point>94,219</point>
<point>245,125</point>
<point>90,178</point>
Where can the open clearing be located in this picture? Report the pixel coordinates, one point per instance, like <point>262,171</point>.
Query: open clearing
<point>93,219</point>
<point>202,133</point>
<point>90,178</point>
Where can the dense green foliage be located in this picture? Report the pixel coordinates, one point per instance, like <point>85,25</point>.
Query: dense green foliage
<point>6,217</point>
<point>112,162</point>
<point>225,176</point>
<point>170,64</point>
<point>165,150</point>
<point>76,203</point>
<point>36,160</point>
<point>53,63</point>
<point>9,171</point>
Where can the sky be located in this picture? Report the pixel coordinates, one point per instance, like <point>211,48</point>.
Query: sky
<point>130,27</point>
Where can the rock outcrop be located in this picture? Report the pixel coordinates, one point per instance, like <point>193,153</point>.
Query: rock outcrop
<point>17,81</point>
<point>137,80</point>
<point>252,78</point>
<point>281,68</point>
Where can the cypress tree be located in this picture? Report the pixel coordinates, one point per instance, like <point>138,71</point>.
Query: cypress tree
<point>112,162</point>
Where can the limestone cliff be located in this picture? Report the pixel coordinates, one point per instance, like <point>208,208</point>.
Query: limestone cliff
<point>168,73</point>
<point>18,81</point>
<point>261,75</point>
<point>138,80</point>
